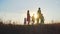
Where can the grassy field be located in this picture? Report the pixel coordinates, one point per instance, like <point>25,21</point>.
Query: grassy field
<point>30,29</point>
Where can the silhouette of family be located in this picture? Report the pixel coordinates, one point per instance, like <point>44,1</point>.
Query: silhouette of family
<point>39,19</point>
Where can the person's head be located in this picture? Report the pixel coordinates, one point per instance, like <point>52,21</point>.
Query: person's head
<point>39,8</point>
<point>27,11</point>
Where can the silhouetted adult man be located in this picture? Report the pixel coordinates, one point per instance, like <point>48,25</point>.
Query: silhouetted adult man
<point>38,15</point>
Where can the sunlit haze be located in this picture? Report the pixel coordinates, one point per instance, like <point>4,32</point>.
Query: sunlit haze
<point>16,10</point>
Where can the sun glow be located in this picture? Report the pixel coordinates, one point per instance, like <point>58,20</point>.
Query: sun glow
<point>35,15</point>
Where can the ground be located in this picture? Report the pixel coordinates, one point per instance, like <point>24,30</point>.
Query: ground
<point>30,29</point>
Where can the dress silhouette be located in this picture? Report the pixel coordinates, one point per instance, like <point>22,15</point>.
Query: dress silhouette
<point>28,17</point>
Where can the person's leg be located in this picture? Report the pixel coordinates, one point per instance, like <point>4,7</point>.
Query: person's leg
<point>25,23</point>
<point>37,21</point>
<point>28,22</point>
<point>33,22</point>
<point>43,21</point>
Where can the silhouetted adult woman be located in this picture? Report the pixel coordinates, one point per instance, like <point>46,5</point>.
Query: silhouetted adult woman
<point>28,17</point>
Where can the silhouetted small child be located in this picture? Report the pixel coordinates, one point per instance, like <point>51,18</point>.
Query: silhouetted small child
<point>33,19</point>
<point>24,21</point>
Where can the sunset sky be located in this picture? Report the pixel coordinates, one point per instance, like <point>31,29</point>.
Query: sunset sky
<point>16,9</point>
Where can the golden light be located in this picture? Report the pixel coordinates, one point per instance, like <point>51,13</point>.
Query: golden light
<point>35,15</point>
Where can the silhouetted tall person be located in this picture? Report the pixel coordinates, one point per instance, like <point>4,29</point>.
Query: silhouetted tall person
<point>38,15</point>
<point>28,17</point>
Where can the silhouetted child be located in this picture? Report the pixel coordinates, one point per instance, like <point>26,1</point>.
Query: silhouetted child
<point>33,19</point>
<point>42,19</point>
<point>28,17</point>
<point>24,21</point>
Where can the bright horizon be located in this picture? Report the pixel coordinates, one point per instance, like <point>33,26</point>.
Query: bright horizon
<point>16,9</point>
